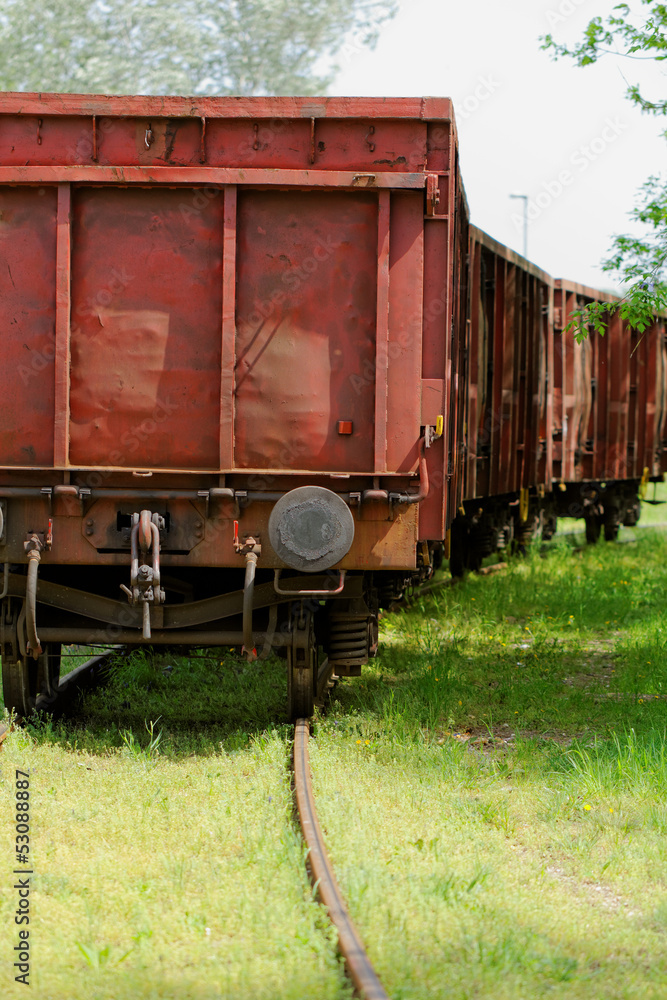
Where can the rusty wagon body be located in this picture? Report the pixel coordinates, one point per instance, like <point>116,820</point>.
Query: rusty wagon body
<point>227,410</point>
<point>609,414</point>
<point>553,427</point>
<point>508,469</point>
<point>256,364</point>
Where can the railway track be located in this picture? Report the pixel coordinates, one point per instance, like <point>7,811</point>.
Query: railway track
<point>425,588</point>
<point>359,967</point>
<point>358,964</point>
<point>83,676</point>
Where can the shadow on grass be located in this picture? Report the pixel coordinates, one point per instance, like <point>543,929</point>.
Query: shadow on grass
<point>547,693</point>
<point>173,705</point>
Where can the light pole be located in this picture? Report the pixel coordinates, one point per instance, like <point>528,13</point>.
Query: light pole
<point>525,221</point>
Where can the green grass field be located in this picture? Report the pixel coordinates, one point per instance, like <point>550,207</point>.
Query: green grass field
<point>493,790</point>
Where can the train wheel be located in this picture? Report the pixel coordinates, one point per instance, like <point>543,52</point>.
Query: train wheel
<point>611,532</point>
<point>19,682</point>
<point>24,679</point>
<point>458,547</point>
<point>593,526</point>
<point>301,667</point>
<point>48,669</point>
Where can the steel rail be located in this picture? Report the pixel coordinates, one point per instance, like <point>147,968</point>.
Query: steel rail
<point>430,585</point>
<point>358,964</point>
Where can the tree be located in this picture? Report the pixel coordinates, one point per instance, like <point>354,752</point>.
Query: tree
<point>639,262</point>
<point>181,46</point>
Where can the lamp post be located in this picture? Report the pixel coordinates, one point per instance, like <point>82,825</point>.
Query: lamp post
<point>525,221</point>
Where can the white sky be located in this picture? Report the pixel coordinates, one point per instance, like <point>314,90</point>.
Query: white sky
<point>536,119</point>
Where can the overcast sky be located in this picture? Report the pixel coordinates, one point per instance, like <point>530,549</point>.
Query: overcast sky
<point>565,136</point>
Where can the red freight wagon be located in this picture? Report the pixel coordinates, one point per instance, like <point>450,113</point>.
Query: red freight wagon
<point>507,423</point>
<point>226,410</point>
<point>610,414</point>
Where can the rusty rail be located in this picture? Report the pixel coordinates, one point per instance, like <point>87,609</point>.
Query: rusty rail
<point>425,588</point>
<point>358,964</point>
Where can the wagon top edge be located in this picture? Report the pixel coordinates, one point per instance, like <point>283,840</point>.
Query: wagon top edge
<point>479,236</point>
<point>421,108</point>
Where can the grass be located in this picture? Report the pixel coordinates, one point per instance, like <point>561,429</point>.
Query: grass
<point>168,861</point>
<point>505,764</point>
<point>493,790</point>
<point>164,877</point>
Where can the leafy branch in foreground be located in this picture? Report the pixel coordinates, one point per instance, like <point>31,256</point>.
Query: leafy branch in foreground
<point>622,34</point>
<point>640,263</point>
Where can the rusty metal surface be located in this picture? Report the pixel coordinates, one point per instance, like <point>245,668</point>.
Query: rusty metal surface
<point>508,370</point>
<point>146,322</point>
<point>130,636</point>
<point>86,105</point>
<point>221,176</point>
<point>311,528</point>
<point>28,294</point>
<point>162,259</point>
<point>306,322</point>
<point>359,966</point>
<point>609,395</point>
<point>384,539</point>
<point>444,329</point>
<point>178,616</point>
<point>275,293</point>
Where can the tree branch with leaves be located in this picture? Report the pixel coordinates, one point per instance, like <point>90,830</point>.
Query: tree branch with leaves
<point>637,31</point>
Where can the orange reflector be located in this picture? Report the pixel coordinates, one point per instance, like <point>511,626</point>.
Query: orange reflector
<point>344,426</point>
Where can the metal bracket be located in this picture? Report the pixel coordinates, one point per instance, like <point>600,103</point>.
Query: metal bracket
<point>250,544</point>
<point>251,548</point>
<point>308,593</point>
<point>432,193</point>
<point>145,580</point>
<point>39,539</point>
<point>34,546</point>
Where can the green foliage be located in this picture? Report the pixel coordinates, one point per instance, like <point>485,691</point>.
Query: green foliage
<point>626,33</point>
<point>134,749</point>
<point>180,46</point>
<point>640,262</point>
